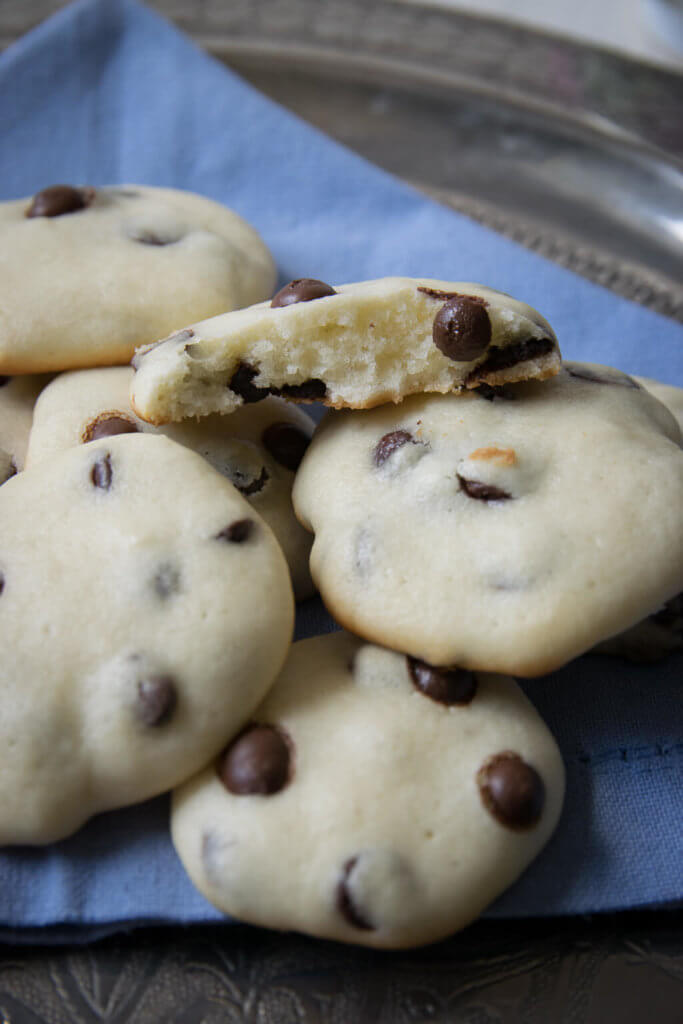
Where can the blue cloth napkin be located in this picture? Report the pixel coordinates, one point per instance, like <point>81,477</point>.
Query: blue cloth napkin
<point>108,92</point>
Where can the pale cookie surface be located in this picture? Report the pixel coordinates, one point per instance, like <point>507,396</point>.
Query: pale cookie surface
<point>144,611</point>
<point>507,530</point>
<point>86,275</point>
<point>356,345</point>
<point>17,399</point>
<point>258,448</point>
<point>671,396</point>
<point>372,799</point>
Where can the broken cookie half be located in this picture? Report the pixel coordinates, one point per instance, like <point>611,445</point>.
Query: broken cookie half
<point>354,346</point>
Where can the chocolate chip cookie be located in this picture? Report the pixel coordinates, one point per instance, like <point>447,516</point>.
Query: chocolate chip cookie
<point>354,345</point>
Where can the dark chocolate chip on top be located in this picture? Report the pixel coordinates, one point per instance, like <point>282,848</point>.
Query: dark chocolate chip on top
<point>511,790</point>
<point>57,200</point>
<point>391,442</point>
<point>444,685</point>
<point>346,904</point>
<point>258,761</point>
<point>101,474</point>
<point>286,443</point>
<point>303,289</point>
<point>481,491</point>
<point>237,532</point>
<point>156,699</point>
<point>462,329</point>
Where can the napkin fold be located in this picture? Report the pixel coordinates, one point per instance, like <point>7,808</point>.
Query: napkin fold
<point>108,92</point>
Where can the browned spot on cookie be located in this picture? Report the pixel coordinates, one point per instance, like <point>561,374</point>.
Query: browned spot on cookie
<point>346,905</point>
<point>102,474</point>
<point>304,289</point>
<point>444,685</point>
<point>57,200</point>
<point>511,790</point>
<point>482,492</point>
<point>286,443</point>
<point>107,424</point>
<point>503,456</point>
<point>503,358</point>
<point>156,699</point>
<point>391,442</point>
<point>259,761</point>
<point>237,532</point>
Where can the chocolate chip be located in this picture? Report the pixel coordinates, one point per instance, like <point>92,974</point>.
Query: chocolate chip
<point>482,492</point>
<point>156,700</point>
<point>4,380</point>
<point>388,444</point>
<point>444,685</point>
<point>346,905</point>
<point>462,329</point>
<point>500,393</point>
<point>241,384</point>
<point>59,199</point>
<point>237,532</point>
<point>503,358</point>
<point>166,580</point>
<point>101,473</point>
<point>511,790</point>
<point>106,425</point>
<point>286,443</point>
<point>258,761</point>
<point>304,289</point>
<point>2,582</point>
<point>248,486</point>
<point>311,390</point>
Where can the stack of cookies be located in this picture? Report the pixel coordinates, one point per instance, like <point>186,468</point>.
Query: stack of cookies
<point>477,509</point>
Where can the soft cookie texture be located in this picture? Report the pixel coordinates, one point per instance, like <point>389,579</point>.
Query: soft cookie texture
<point>88,274</point>
<point>258,449</point>
<point>17,399</point>
<point>509,530</point>
<point>145,609</point>
<point>356,345</point>
<point>372,799</point>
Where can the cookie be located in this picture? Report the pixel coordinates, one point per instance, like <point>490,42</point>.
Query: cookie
<point>145,609</point>
<point>356,345</point>
<point>258,449</point>
<point>86,274</point>
<point>17,398</point>
<point>654,638</point>
<point>670,396</point>
<point>509,530</point>
<point>372,799</point>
